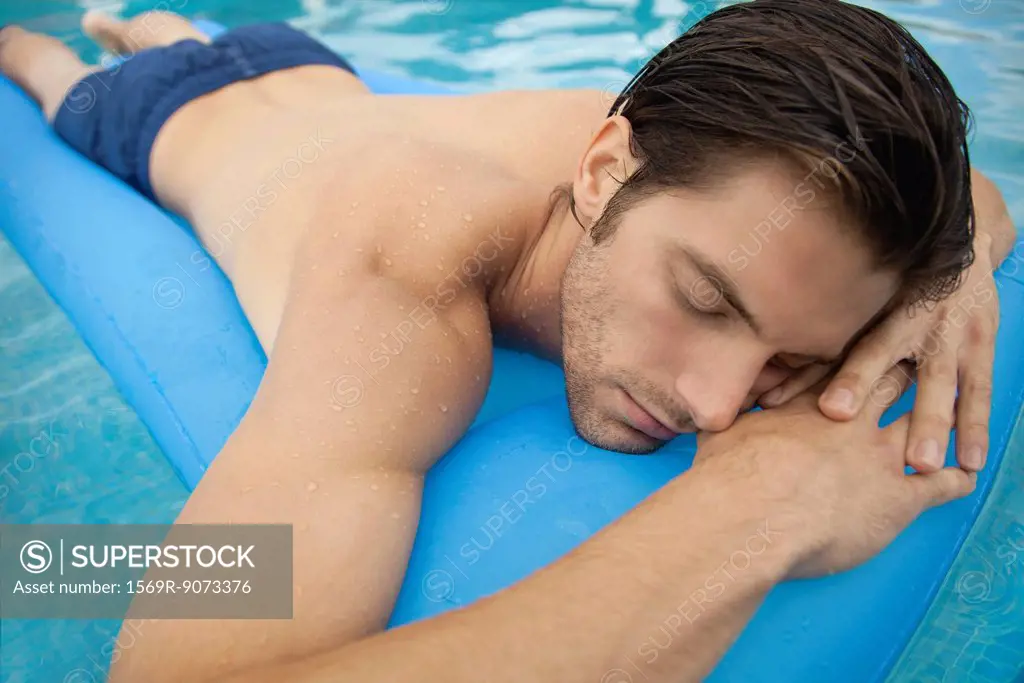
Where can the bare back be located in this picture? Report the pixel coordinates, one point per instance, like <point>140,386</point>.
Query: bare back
<point>251,164</point>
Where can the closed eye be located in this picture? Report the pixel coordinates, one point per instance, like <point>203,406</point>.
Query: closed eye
<point>699,297</point>
<point>691,305</point>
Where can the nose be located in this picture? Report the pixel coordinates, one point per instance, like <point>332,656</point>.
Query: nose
<point>715,392</point>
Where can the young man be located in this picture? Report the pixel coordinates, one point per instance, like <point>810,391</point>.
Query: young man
<point>771,194</point>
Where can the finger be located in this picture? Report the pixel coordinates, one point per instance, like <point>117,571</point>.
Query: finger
<point>869,360</point>
<point>937,488</point>
<point>797,384</point>
<point>897,433</point>
<point>929,422</point>
<point>975,402</point>
<point>887,388</point>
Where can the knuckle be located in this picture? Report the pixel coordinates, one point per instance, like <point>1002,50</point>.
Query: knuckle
<point>932,423</point>
<point>979,387</point>
<point>939,366</point>
<point>976,430</point>
<point>982,330</point>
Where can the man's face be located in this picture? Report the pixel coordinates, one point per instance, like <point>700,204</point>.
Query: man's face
<point>700,302</point>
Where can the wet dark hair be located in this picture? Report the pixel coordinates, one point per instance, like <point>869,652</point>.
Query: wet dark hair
<point>823,84</point>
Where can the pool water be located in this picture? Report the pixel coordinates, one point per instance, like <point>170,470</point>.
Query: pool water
<point>72,451</point>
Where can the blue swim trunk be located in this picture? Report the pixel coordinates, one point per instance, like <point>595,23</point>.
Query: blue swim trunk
<point>112,117</point>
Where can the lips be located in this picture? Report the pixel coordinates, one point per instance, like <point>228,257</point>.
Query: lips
<point>643,421</point>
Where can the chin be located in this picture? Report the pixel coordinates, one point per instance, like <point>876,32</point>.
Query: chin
<point>611,434</point>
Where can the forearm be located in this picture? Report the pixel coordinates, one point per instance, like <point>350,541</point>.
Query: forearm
<point>994,227</point>
<point>665,590</point>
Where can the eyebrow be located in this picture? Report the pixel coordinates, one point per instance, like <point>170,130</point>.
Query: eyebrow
<point>709,270</point>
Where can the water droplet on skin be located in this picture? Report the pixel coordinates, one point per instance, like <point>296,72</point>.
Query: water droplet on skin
<point>355,204</point>
<point>298,591</point>
<point>395,515</point>
<point>295,454</point>
<point>335,407</point>
<point>349,423</point>
<point>312,486</point>
<point>374,487</point>
<point>247,489</point>
<point>437,359</point>
<point>379,249</point>
<point>468,217</point>
<point>359,250</point>
<point>421,224</point>
<point>387,262</point>
<point>356,328</point>
<point>423,202</point>
<point>444,408</point>
<point>414,390</point>
<point>427,236</point>
<point>335,234</point>
<point>440,188</point>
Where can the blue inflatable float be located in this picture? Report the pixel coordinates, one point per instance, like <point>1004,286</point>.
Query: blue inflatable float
<point>516,493</point>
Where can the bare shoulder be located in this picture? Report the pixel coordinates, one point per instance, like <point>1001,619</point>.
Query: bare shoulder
<point>435,218</point>
<point>388,293</point>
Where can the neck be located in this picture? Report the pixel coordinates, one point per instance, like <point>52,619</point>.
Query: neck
<point>525,307</point>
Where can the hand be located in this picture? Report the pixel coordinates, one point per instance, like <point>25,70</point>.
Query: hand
<point>838,488</point>
<point>953,345</point>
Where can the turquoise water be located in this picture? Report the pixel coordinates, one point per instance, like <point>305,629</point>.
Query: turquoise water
<point>74,452</point>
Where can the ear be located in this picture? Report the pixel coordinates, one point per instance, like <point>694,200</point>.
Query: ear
<point>606,164</point>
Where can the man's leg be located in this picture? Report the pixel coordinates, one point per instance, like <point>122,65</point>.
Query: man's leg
<point>46,68</point>
<point>149,29</point>
<point>42,66</point>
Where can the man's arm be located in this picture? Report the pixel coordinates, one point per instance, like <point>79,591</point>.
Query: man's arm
<point>800,495</point>
<point>371,379</point>
<point>660,572</point>
<point>995,228</point>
